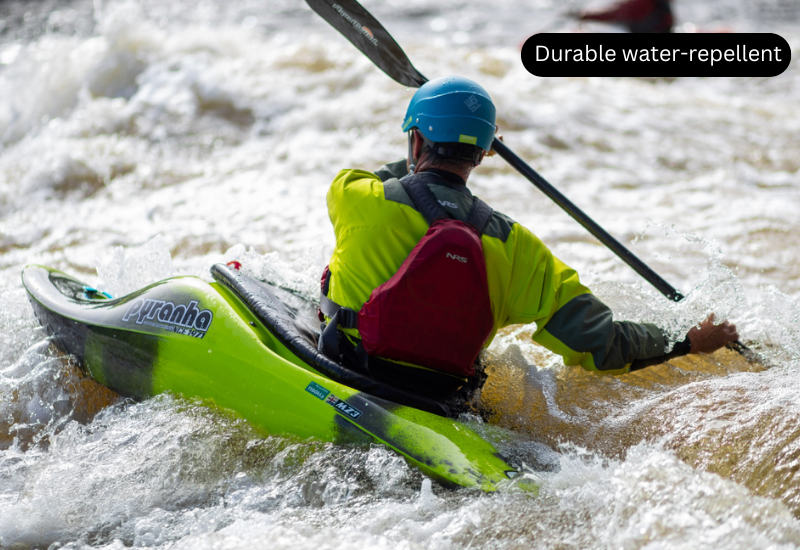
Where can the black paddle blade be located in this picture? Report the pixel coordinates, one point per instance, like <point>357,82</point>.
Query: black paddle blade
<point>365,33</point>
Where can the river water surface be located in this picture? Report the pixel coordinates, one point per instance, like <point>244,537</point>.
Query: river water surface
<point>144,139</point>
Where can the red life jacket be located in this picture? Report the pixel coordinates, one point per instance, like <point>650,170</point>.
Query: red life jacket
<point>435,311</point>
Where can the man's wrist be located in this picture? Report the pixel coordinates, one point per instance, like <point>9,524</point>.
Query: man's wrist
<point>681,348</point>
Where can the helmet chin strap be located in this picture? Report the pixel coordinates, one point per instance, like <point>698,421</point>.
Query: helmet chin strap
<point>412,162</point>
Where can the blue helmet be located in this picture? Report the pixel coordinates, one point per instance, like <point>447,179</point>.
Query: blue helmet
<point>452,110</point>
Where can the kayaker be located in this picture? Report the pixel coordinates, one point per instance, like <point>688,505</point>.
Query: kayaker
<point>638,16</point>
<point>439,318</point>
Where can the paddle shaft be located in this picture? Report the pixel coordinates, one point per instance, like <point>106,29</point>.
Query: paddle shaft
<point>368,35</point>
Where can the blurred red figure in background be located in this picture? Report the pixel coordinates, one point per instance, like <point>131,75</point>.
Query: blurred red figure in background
<point>643,16</point>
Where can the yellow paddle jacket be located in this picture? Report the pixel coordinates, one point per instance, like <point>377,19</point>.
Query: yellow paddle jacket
<point>376,227</point>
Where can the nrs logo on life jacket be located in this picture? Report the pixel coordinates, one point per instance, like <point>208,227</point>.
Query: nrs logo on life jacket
<point>461,259</point>
<point>182,318</point>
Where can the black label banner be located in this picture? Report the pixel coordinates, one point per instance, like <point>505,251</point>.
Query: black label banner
<point>656,55</point>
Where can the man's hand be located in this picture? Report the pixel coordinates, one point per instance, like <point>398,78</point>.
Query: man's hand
<point>709,337</point>
<point>492,152</point>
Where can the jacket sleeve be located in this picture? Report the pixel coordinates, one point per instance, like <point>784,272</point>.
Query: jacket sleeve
<point>584,332</point>
<point>570,320</point>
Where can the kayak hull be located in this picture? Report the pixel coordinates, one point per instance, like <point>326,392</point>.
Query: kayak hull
<point>199,339</point>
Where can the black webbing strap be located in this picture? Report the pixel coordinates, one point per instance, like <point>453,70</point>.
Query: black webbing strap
<point>329,344</point>
<point>339,316</point>
<point>329,336</point>
<point>480,215</point>
<point>423,198</point>
<point>348,318</point>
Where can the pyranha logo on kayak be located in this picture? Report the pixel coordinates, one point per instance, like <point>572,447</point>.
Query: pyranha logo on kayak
<point>182,318</point>
<point>363,30</point>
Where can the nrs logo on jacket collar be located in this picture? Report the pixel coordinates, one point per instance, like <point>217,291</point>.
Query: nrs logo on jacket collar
<point>182,318</point>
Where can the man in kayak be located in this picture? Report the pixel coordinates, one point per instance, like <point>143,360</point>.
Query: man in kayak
<point>414,311</point>
<point>639,16</point>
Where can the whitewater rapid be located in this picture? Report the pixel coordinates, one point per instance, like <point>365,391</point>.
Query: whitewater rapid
<point>142,139</point>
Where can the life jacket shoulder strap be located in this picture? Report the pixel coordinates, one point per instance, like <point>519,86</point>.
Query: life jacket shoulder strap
<point>423,198</point>
<point>480,215</point>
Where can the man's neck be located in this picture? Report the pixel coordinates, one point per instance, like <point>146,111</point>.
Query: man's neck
<point>457,177</point>
<point>448,176</point>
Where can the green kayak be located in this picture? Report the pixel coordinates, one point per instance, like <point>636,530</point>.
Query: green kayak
<point>247,346</point>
